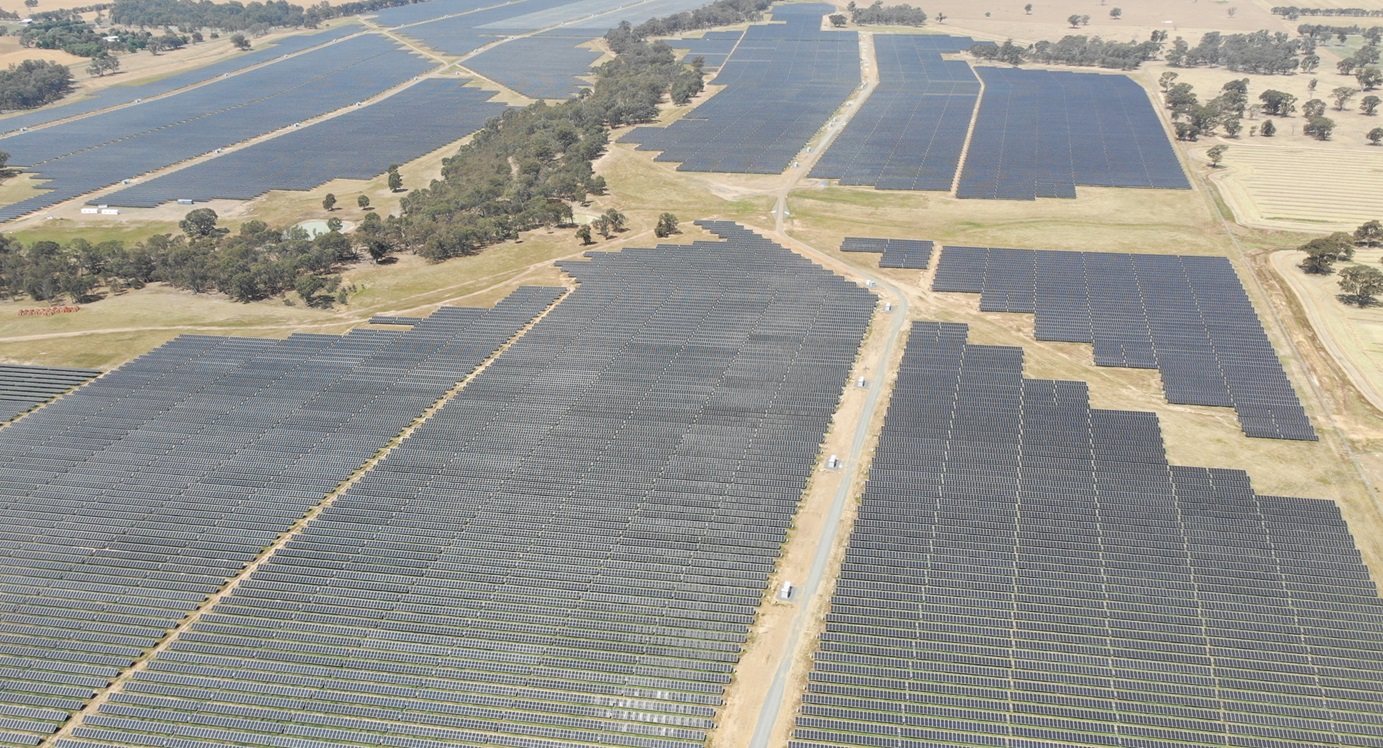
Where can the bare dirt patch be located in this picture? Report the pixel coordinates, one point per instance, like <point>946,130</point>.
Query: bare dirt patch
<point>1353,335</point>
<point>1302,188</point>
<point>1048,20</point>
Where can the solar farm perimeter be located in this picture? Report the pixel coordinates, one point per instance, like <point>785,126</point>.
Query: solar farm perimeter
<point>555,522</point>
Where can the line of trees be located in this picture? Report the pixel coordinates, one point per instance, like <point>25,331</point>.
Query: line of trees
<point>526,167</point>
<point>254,17</point>
<point>720,13</point>
<point>33,83</point>
<point>1292,12</point>
<point>894,15</point>
<point>1258,52</point>
<point>257,262</point>
<point>1075,50</point>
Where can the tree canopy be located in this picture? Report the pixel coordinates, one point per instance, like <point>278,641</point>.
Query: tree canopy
<point>525,168</point>
<point>33,83</point>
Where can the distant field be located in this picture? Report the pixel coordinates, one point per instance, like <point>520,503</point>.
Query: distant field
<point>1309,187</point>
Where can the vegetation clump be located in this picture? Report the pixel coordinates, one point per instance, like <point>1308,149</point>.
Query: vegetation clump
<point>33,83</point>
<point>525,168</point>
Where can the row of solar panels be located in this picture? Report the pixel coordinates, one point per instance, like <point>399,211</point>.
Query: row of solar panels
<point>988,618</point>
<point>570,550</point>
<point>1187,316</point>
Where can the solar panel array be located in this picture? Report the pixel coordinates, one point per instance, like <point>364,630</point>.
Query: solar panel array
<point>360,144</point>
<point>1026,571</point>
<point>909,133</point>
<point>543,66</point>
<point>713,47</point>
<point>23,388</point>
<point>569,551</point>
<point>909,254</point>
<point>1040,133</point>
<point>94,152</point>
<point>463,34</point>
<point>783,82</point>
<point>129,501</point>
<point>1187,317</point>
<point>117,95</point>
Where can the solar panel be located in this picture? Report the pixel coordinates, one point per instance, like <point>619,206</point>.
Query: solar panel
<point>1188,317</point>
<point>991,595</point>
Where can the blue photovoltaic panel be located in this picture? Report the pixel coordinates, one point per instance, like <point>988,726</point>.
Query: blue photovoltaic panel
<point>398,129</point>
<point>569,552</point>
<point>22,388</point>
<point>1188,317</point>
<point>1028,571</point>
<point>128,501</point>
<point>1040,133</point>
<point>783,82</point>
<point>543,66</point>
<point>87,154</point>
<point>713,47</point>
<point>909,133</point>
<point>122,94</point>
<point>909,254</point>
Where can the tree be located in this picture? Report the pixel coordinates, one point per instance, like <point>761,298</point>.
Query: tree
<point>1278,102</point>
<point>1369,78</point>
<point>1268,129</point>
<point>1375,136</point>
<point>329,202</point>
<point>1074,20</point>
<point>837,20</point>
<point>240,42</point>
<point>602,225</point>
<point>1313,109</point>
<point>334,224</point>
<point>1166,80</point>
<point>1116,13</point>
<point>363,201</point>
<point>1216,154</point>
<point>1361,284</point>
<point>1369,105</point>
<point>667,226</point>
<point>395,179</point>
<point>1369,234</point>
<point>102,64</point>
<point>1233,127</point>
<point>1342,95</point>
<point>1324,251</point>
<point>1232,10</point>
<point>1311,85</point>
<point>1027,9</point>
<point>199,223</point>
<point>1085,20</point>
<point>31,4</point>
<point>615,218</point>
<point>1310,62</point>
<point>583,232</point>
<point>1319,128</point>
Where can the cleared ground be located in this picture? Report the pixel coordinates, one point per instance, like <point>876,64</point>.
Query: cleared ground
<point>1048,19</point>
<point>1309,189</point>
<point>1354,334</point>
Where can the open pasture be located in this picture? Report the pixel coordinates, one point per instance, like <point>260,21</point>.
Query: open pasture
<point>1302,187</point>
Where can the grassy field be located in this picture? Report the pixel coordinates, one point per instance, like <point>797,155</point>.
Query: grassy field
<point>1300,186</point>
<point>1104,219</point>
